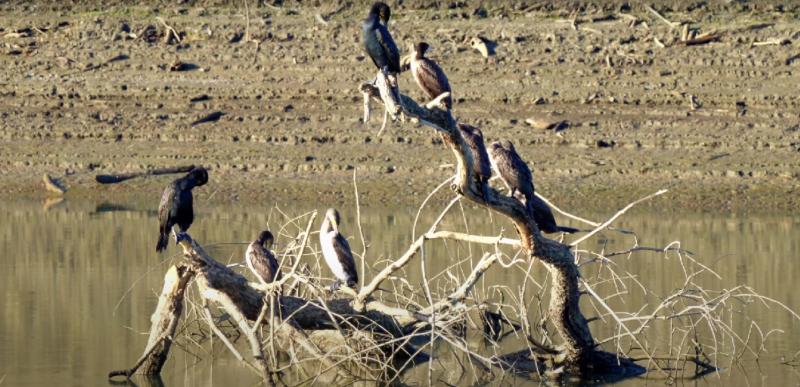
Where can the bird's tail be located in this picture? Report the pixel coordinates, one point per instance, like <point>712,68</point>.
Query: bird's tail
<point>568,230</point>
<point>163,239</point>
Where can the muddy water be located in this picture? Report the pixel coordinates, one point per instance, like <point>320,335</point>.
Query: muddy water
<point>80,280</point>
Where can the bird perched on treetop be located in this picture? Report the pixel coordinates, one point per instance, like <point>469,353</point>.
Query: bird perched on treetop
<point>337,252</point>
<point>176,205</point>
<point>261,261</point>
<point>429,76</point>
<point>518,178</point>
<point>378,41</point>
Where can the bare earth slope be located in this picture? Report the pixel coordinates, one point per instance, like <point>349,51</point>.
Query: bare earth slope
<point>718,124</point>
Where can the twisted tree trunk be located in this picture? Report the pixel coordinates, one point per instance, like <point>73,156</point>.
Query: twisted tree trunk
<point>564,309</point>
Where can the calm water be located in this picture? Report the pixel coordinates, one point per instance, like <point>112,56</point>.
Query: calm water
<point>80,280</point>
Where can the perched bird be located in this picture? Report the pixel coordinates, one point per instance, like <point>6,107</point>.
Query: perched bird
<point>337,252</point>
<point>543,216</point>
<point>518,178</point>
<point>481,166</point>
<point>429,76</point>
<point>378,41</point>
<point>261,261</point>
<point>512,170</point>
<point>176,204</point>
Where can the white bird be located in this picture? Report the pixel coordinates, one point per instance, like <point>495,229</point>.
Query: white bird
<point>337,252</point>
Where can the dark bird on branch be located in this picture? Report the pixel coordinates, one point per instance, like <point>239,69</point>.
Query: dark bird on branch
<point>378,41</point>
<point>337,252</point>
<point>481,166</point>
<point>261,261</point>
<point>429,76</point>
<point>518,179</point>
<point>213,117</point>
<point>176,205</point>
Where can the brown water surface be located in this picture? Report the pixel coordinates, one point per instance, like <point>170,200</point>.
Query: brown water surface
<point>79,281</point>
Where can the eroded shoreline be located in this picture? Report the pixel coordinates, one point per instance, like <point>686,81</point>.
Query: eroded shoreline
<point>292,132</point>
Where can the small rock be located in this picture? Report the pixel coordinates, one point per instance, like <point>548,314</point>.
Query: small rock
<point>606,144</point>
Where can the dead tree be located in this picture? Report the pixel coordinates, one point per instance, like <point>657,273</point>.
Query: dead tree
<point>372,334</point>
<point>578,351</point>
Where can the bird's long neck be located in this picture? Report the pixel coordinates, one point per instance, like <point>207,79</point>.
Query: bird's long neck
<point>326,227</point>
<point>187,183</point>
<point>372,20</point>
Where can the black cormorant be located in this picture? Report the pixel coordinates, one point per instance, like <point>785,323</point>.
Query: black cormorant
<point>378,41</point>
<point>429,76</point>
<point>337,252</point>
<point>261,261</point>
<point>481,166</point>
<point>518,178</point>
<point>176,205</point>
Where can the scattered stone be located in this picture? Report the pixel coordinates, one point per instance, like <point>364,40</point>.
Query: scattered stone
<point>213,117</point>
<point>182,66</point>
<point>606,144</point>
<point>200,98</point>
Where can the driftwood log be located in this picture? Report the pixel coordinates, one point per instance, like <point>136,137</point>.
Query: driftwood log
<point>120,177</point>
<point>246,302</point>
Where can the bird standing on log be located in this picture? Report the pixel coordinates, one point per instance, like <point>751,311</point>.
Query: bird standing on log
<point>176,205</point>
<point>518,178</point>
<point>337,252</point>
<point>481,166</point>
<point>429,76</point>
<point>261,261</point>
<point>378,41</point>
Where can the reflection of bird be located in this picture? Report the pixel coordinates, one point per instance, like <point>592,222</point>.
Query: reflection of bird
<point>481,167</point>
<point>429,76</point>
<point>176,204</point>
<point>517,177</point>
<point>337,252</point>
<point>378,41</point>
<point>261,261</point>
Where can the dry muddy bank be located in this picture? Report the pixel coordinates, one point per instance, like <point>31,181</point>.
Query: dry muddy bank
<point>85,91</point>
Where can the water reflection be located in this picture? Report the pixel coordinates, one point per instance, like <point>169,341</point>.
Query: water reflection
<point>79,280</point>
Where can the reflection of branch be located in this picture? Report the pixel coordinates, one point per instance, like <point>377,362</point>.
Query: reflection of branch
<point>645,248</point>
<point>619,322</point>
<point>221,335</point>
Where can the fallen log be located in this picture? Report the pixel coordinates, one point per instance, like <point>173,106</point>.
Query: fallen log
<point>120,177</point>
<point>164,322</point>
